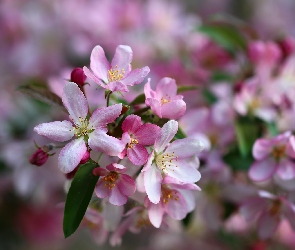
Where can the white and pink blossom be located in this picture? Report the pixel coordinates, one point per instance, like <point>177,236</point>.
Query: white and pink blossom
<point>165,102</point>
<point>170,160</point>
<point>117,75</point>
<point>114,184</point>
<point>92,131</point>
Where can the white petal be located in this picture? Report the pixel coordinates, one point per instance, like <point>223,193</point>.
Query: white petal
<point>152,183</point>
<point>168,131</point>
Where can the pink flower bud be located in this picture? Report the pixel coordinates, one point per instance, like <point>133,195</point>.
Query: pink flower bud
<point>85,157</point>
<point>78,76</point>
<point>39,158</point>
<point>287,46</point>
<point>71,174</point>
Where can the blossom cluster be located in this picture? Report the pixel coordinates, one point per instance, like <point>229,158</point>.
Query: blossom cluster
<point>167,168</point>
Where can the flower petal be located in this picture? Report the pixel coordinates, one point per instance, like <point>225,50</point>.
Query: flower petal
<point>149,93</point>
<point>183,172</point>
<point>252,206</point>
<point>262,170</point>
<point>75,102</point>
<point>102,116</point>
<point>176,208</point>
<point>71,155</point>
<point>99,63</point>
<point>155,106</point>
<point>267,225</point>
<point>94,78</point>
<point>135,76</point>
<point>286,169</point>
<point>138,154</point>
<point>167,133</point>
<point>117,86</point>
<point>147,134</point>
<point>155,212</point>
<point>117,198</point>
<point>56,131</point>
<point>166,87</point>
<point>262,148</point>
<point>173,110</point>
<point>126,185</point>
<point>122,58</point>
<point>131,124</point>
<point>101,142</point>
<point>152,183</point>
<point>101,190</point>
<point>184,148</point>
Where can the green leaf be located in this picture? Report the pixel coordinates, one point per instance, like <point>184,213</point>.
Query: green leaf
<point>272,129</point>
<point>43,95</point>
<point>180,134</point>
<point>140,99</point>
<point>209,97</point>
<point>225,35</point>
<point>181,89</point>
<point>78,198</point>
<point>247,131</point>
<point>238,162</point>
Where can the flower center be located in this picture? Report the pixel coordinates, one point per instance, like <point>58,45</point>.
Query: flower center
<point>278,152</point>
<point>142,220</point>
<point>132,143</point>
<point>163,100</point>
<point>115,74</point>
<point>110,179</point>
<point>168,194</point>
<point>164,161</point>
<point>82,128</point>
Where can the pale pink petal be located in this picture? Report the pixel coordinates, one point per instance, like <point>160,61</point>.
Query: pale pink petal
<point>119,167</point>
<point>184,148</point>
<point>122,58</point>
<point>101,142</point>
<point>189,198</point>
<point>56,131</point>
<point>286,169</point>
<point>252,207</point>
<point>117,86</point>
<point>183,172</point>
<point>176,208</point>
<point>166,87</point>
<point>102,116</point>
<point>173,110</point>
<point>262,148</point>
<point>126,185</point>
<point>71,155</point>
<point>167,133</point>
<point>138,154</point>
<point>289,212</point>
<point>263,170</point>
<point>149,93</point>
<point>131,124</point>
<point>140,183</point>
<point>99,63</point>
<point>266,194</point>
<point>152,184</point>
<point>75,102</point>
<point>101,190</point>
<point>147,134</point>
<point>149,162</point>
<point>290,150</point>
<point>136,76</point>
<point>155,213</point>
<point>155,106</point>
<point>94,78</point>
<point>116,197</point>
<point>267,225</point>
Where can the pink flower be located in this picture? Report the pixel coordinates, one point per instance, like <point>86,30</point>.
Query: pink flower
<point>169,160</point>
<point>137,136</point>
<point>270,210</point>
<point>93,131</point>
<point>273,156</point>
<point>165,102</point>
<point>117,75</point>
<point>114,184</point>
<point>177,200</point>
<point>78,76</point>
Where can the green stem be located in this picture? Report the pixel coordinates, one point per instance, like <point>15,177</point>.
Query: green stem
<point>140,111</point>
<point>108,98</point>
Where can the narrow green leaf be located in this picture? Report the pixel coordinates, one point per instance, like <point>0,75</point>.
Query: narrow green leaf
<point>180,134</point>
<point>209,96</point>
<point>78,198</point>
<point>42,95</point>
<point>237,162</point>
<point>181,89</point>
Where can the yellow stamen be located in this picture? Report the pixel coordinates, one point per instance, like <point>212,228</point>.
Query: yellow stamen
<point>115,74</point>
<point>110,179</point>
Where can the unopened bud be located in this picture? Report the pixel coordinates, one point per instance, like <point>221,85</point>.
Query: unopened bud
<point>78,76</point>
<point>71,175</point>
<point>39,158</point>
<point>125,108</point>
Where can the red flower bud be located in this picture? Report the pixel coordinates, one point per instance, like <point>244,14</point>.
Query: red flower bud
<point>78,76</point>
<point>39,158</point>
